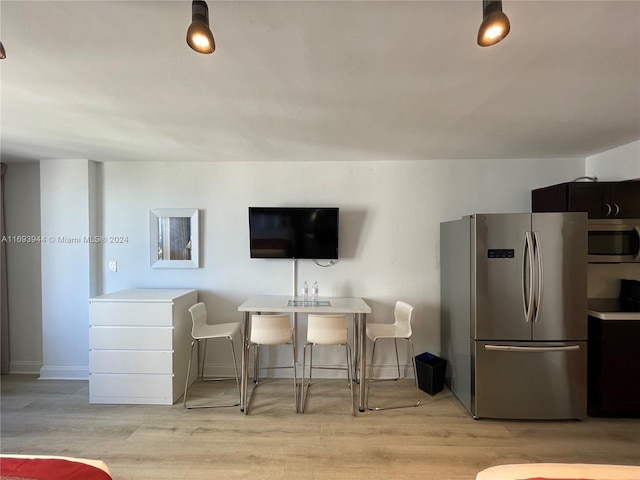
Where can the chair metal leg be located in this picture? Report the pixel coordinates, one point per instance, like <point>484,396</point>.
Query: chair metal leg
<point>296,394</point>
<point>201,376</point>
<point>415,377</point>
<point>186,386</point>
<point>305,385</point>
<point>395,343</point>
<point>256,367</point>
<point>235,369</point>
<point>356,350</point>
<point>350,378</point>
<point>256,361</point>
<point>204,359</point>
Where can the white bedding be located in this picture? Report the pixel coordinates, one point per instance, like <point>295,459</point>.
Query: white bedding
<point>560,470</point>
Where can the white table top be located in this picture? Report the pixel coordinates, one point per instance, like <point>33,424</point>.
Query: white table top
<point>278,303</point>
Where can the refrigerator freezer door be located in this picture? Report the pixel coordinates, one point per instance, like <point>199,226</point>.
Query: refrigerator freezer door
<point>561,294</point>
<point>500,288</point>
<point>530,381</point>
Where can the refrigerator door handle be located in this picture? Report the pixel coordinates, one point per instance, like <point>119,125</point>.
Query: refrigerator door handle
<point>512,348</point>
<point>540,274</point>
<point>527,263</point>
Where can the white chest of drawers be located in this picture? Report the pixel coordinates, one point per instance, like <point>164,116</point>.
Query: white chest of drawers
<point>139,342</point>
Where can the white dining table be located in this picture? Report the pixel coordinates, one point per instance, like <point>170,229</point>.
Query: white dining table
<point>355,306</point>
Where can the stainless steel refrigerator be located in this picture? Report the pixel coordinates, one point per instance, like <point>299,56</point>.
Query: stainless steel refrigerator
<point>514,314</point>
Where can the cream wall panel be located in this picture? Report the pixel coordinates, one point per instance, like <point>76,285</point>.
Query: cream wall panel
<point>22,210</point>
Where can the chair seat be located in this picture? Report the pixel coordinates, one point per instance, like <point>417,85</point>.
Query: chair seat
<point>216,331</point>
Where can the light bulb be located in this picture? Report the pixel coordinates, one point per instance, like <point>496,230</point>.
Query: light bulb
<point>199,36</point>
<point>495,24</point>
<point>493,32</point>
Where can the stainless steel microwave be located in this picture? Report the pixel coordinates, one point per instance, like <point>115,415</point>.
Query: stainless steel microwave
<point>614,241</point>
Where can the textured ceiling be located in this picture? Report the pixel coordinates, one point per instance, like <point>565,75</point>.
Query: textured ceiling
<point>316,80</point>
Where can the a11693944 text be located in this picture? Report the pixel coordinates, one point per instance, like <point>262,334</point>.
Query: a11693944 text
<point>65,239</point>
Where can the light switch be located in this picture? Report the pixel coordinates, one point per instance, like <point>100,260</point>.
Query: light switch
<point>113,266</point>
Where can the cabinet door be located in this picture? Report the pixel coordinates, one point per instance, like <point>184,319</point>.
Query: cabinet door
<point>590,197</point>
<point>625,200</point>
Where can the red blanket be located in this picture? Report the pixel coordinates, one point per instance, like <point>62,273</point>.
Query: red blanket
<point>48,469</point>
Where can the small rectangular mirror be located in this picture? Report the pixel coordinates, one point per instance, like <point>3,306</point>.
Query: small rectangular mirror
<point>174,237</point>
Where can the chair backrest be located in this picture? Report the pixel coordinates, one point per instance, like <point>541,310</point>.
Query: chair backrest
<point>199,319</point>
<point>271,329</point>
<point>403,314</point>
<point>327,329</point>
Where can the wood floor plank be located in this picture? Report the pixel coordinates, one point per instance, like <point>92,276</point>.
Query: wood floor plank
<point>437,440</point>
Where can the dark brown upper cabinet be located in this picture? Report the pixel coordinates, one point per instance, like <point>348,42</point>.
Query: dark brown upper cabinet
<point>611,200</point>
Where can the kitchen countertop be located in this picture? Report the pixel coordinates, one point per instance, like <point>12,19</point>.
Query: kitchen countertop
<point>610,309</point>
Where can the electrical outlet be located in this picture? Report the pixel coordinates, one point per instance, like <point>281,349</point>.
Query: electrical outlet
<point>113,266</point>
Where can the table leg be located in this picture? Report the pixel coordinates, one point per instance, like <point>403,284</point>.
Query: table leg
<point>245,364</point>
<point>362,325</point>
<point>355,349</point>
<point>295,359</point>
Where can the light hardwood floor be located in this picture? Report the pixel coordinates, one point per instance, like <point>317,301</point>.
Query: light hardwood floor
<point>437,440</point>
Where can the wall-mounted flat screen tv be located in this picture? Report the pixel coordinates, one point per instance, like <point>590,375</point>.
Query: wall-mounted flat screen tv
<point>288,232</point>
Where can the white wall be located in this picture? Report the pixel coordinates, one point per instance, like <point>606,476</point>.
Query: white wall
<point>22,208</point>
<point>390,215</point>
<point>65,187</point>
<point>621,163</point>
<point>389,225</point>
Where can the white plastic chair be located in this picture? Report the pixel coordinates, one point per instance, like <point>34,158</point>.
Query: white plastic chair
<point>400,329</point>
<point>202,331</point>
<point>272,330</point>
<point>325,330</point>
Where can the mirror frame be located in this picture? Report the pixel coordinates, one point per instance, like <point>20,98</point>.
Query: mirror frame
<point>154,216</point>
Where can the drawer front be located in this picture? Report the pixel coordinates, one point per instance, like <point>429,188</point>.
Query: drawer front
<point>130,361</point>
<point>131,313</point>
<point>131,389</point>
<point>131,338</point>
<point>533,381</point>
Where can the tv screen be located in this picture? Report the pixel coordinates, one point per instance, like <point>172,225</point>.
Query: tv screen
<point>281,232</point>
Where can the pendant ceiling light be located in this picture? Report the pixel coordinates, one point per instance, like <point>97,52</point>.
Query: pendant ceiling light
<point>199,36</point>
<point>3,54</point>
<point>495,24</point>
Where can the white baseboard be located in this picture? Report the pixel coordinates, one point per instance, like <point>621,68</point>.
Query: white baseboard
<point>391,371</point>
<point>379,371</point>
<point>32,368</point>
<point>219,370</point>
<point>64,373</point>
